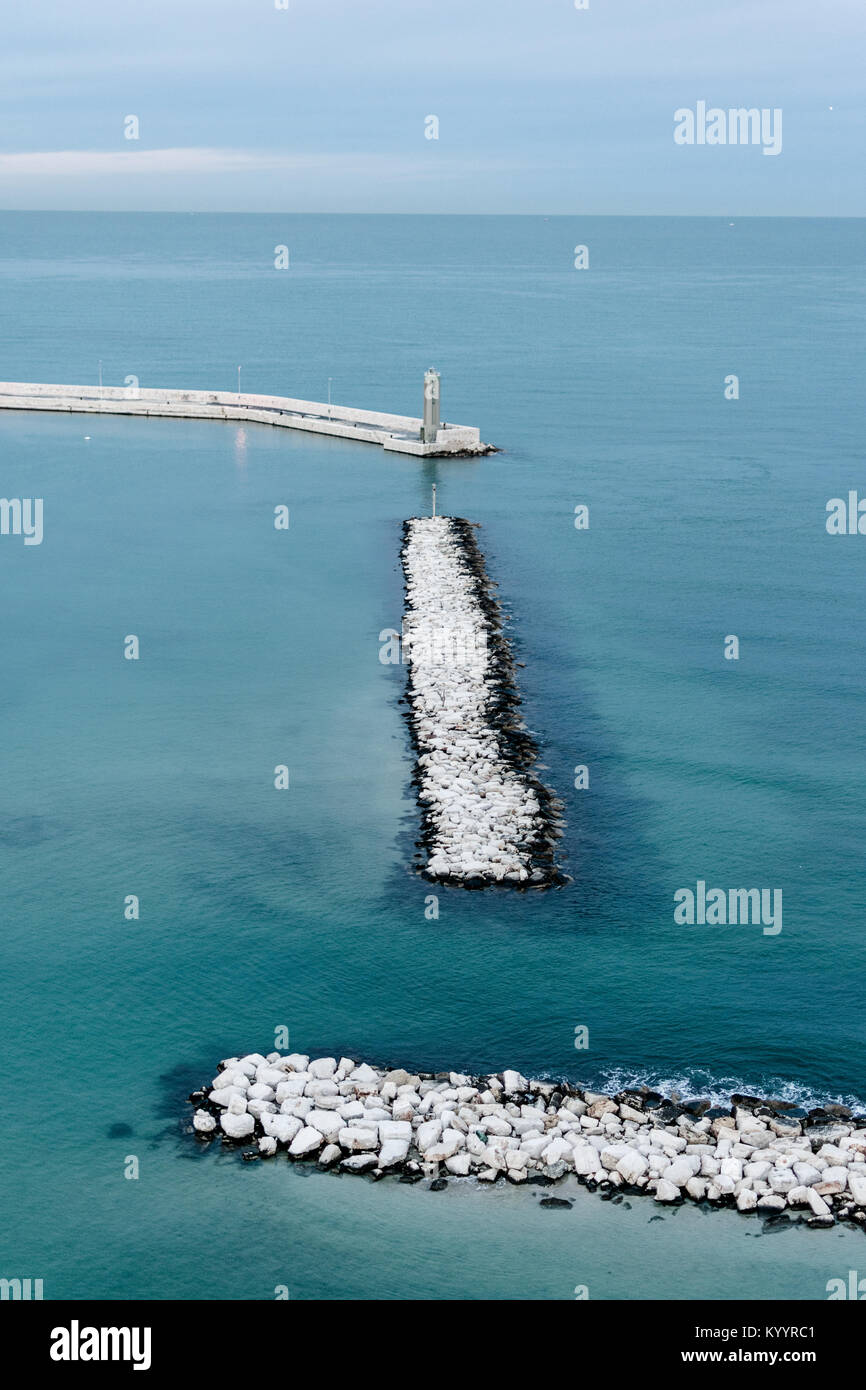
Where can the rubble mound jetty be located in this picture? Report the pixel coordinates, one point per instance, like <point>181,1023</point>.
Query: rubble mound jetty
<point>357,1118</point>
<point>488,819</point>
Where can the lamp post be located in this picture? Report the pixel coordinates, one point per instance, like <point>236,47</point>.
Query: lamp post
<point>239,381</point>
<point>330,379</point>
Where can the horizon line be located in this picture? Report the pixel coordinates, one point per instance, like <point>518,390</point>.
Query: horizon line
<point>308,212</point>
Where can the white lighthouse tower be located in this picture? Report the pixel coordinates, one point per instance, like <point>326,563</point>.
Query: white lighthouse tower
<point>430,424</point>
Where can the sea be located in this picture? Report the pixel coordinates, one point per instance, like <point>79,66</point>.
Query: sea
<point>266,914</point>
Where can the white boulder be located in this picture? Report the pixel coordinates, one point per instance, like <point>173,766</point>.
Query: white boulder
<point>666,1191</point>
<point>857,1184</point>
<point>393,1151</point>
<point>327,1122</point>
<point>632,1165</point>
<point>357,1140</point>
<point>323,1068</point>
<point>237,1126</point>
<point>283,1128</point>
<point>306,1141</point>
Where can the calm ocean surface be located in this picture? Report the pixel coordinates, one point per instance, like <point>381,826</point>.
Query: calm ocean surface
<point>262,909</point>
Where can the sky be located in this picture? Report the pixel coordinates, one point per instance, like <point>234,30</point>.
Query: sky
<point>326,106</point>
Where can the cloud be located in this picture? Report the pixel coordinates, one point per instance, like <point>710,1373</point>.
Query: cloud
<point>83,163</point>
<point>204,160</point>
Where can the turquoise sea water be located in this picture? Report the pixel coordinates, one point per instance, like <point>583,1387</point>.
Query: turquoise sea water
<point>262,909</point>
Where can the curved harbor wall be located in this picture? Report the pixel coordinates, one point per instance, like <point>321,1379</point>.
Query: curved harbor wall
<point>398,433</point>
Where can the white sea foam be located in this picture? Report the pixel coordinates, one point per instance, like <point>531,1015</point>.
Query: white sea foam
<point>699,1082</point>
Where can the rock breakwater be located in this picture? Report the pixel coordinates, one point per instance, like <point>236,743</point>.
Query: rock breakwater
<point>487,817</point>
<point>357,1118</point>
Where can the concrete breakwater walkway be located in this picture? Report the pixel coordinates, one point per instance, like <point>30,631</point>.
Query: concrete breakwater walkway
<point>487,817</point>
<point>398,433</point>
<point>366,1119</point>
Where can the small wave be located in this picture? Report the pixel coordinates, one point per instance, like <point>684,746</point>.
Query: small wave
<point>698,1082</point>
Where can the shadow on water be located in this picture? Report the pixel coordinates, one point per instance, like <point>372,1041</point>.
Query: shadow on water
<point>119,1131</point>
<point>24,832</point>
<point>236,859</point>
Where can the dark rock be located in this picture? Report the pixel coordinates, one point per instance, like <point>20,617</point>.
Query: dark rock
<point>667,1112</point>
<point>695,1107</point>
<point>438,1184</point>
<point>554,1202</point>
<point>780,1221</point>
<point>634,1099</point>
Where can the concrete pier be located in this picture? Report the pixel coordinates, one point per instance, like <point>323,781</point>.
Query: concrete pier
<point>401,434</point>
